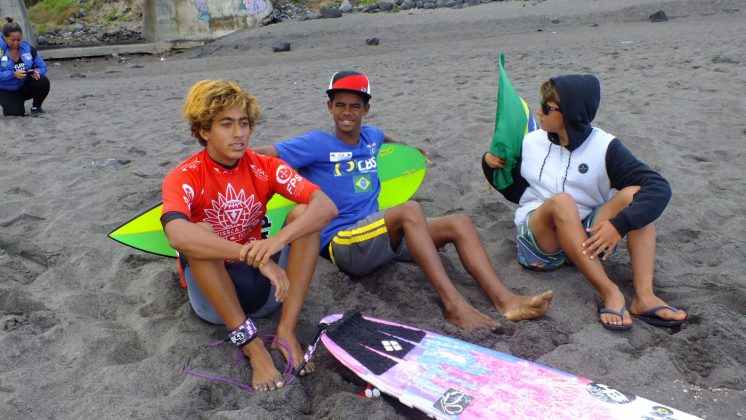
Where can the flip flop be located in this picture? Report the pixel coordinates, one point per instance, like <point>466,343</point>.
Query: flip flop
<point>651,318</point>
<point>619,313</point>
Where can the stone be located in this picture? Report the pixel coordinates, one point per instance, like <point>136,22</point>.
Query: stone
<point>345,7</point>
<point>385,6</point>
<point>659,16</point>
<point>281,47</point>
<point>330,13</point>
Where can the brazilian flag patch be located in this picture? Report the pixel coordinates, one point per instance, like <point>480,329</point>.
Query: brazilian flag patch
<point>362,183</point>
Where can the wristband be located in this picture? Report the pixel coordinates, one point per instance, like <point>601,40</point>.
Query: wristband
<point>243,334</point>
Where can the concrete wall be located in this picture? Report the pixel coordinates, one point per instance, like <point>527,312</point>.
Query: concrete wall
<point>185,21</point>
<point>17,10</point>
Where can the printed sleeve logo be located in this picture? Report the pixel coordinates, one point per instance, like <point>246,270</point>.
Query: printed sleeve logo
<point>292,181</point>
<point>339,156</point>
<point>188,194</point>
<point>283,174</point>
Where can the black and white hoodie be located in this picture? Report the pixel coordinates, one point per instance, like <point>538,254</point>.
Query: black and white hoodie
<point>592,165</point>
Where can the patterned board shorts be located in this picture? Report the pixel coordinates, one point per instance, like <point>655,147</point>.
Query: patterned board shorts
<point>532,257</point>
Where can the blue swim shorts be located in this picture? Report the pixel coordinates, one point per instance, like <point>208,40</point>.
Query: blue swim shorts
<point>255,293</point>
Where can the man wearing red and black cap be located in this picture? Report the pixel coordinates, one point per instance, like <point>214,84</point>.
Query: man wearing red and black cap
<point>362,237</point>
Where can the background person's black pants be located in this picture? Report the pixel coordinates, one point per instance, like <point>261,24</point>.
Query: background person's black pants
<point>12,100</point>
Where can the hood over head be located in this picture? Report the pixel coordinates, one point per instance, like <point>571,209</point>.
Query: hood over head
<point>580,95</point>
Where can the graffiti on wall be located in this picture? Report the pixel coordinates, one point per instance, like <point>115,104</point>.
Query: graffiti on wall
<point>252,7</point>
<point>202,12</point>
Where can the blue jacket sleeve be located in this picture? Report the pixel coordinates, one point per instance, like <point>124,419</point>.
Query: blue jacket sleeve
<point>6,70</point>
<point>626,170</point>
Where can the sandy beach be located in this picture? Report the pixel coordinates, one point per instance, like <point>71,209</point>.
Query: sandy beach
<point>94,329</point>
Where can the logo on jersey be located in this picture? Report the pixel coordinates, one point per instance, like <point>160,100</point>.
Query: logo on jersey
<point>372,148</point>
<point>583,168</point>
<point>344,168</point>
<point>188,194</point>
<point>362,183</point>
<point>283,174</point>
<point>292,181</point>
<point>360,166</point>
<point>233,216</point>
<point>339,156</point>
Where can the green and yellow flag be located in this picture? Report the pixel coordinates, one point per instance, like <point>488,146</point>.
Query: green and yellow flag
<point>513,120</point>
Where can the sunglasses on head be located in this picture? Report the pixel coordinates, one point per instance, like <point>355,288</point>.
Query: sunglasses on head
<point>547,108</point>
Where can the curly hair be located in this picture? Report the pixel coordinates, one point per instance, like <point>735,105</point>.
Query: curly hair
<point>208,98</point>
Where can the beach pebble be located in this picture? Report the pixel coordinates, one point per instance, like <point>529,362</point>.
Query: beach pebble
<point>659,16</point>
<point>281,47</point>
<point>371,41</point>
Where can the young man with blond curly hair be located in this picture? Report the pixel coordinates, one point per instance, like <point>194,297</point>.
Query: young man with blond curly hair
<point>213,206</point>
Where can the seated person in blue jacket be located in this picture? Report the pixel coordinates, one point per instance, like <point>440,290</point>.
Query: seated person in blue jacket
<point>568,210</point>
<point>362,237</point>
<point>22,73</point>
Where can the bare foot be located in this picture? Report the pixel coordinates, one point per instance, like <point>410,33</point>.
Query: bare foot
<point>640,305</point>
<point>264,375</point>
<point>469,318</point>
<point>615,301</point>
<point>298,352</point>
<point>528,307</point>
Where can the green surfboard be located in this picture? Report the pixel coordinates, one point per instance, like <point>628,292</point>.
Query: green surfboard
<point>401,170</point>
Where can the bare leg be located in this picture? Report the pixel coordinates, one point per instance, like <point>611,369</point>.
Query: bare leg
<point>301,265</point>
<point>216,285</point>
<point>641,244</point>
<point>407,220</point>
<point>459,230</point>
<point>556,225</point>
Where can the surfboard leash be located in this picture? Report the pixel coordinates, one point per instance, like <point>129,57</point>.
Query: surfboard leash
<point>238,358</point>
<point>311,348</point>
<point>322,329</point>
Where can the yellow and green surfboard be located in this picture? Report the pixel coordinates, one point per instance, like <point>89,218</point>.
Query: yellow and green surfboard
<point>401,170</point>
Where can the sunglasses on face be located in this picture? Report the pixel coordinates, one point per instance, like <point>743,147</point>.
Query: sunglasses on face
<point>547,108</point>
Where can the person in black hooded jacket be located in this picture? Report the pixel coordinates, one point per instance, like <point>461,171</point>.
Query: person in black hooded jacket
<point>568,209</point>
